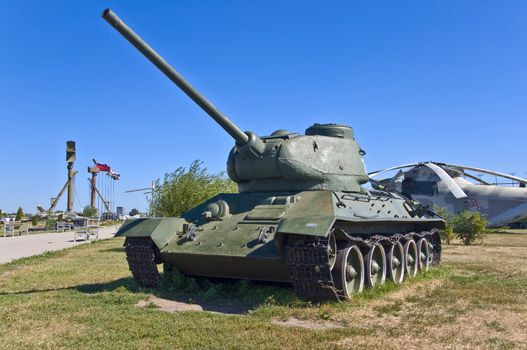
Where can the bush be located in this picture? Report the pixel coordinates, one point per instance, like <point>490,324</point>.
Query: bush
<point>184,189</point>
<point>469,226</point>
<point>51,224</point>
<point>447,234</point>
<point>89,212</point>
<point>34,220</point>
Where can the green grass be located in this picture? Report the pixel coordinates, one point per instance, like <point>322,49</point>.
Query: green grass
<point>85,298</point>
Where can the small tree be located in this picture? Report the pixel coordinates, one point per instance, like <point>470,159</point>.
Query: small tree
<point>34,220</point>
<point>19,214</point>
<point>469,226</point>
<point>447,234</point>
<point>51,224</point>
<point>89,212</point>
<point>133,212</point>
<point>183,189</point>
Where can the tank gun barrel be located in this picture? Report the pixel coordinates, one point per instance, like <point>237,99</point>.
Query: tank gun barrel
<point>238,135</point>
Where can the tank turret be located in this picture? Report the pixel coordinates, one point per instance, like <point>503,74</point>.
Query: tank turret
<point>325,158</point>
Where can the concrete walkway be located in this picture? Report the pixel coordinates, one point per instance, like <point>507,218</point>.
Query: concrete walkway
<point>12,248</point>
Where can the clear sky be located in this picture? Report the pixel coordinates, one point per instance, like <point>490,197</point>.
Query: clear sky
<point>418,80</point>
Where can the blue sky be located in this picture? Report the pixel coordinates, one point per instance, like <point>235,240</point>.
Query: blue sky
<point>418,80</point>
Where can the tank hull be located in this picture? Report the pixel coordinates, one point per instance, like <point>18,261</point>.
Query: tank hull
<point>251,242</point>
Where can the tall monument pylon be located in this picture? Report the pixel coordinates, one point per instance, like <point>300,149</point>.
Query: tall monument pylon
<point>70,158</point>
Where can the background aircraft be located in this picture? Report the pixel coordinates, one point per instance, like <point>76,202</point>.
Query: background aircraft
<point>446,186</point>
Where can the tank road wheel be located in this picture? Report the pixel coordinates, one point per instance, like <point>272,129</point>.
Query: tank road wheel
<point>424,254</point>
<point>395,262</point>
<point>375,266</point>
<point>349,272</point>
<point>431,255</point>
<point>141,257</point>
<point>410,258</point>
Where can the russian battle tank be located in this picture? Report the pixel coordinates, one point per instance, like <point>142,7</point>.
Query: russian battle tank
<point>301,215</point>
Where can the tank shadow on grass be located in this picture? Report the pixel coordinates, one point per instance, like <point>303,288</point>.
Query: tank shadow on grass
<point>215,295</point>
<point>126,283</point>
<point>211,294</point>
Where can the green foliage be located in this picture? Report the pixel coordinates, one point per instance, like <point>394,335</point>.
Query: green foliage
<point>133,212</point>
<point>447,234</point>
<point>34,220</point>
<point>469,226</point>
<point>183,189</point>
<point>1,214</point>
<point>51,224</point>
<point>89,212</point>
<point>19,214</point>
<point>209,290</point>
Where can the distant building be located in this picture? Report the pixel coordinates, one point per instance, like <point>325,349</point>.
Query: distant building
<point>120,210</point>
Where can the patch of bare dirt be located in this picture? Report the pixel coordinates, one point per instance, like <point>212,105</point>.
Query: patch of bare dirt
<point>173,306</point>
<point>307,324</point>
<point>169,305</point>
<point>368,319</point>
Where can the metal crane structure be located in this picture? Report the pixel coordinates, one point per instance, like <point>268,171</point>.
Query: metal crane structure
<point>104,184</point>
<point>69,186</point>
<point>70,159</point>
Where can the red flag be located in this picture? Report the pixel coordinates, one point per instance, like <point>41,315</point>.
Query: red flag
<point>102,166</point>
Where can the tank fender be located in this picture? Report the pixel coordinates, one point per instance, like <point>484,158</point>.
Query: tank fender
<point>161,230</point>
<point>312,214</point>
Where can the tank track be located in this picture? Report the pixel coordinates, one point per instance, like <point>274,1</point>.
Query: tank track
<point>309,268</point>
<point>141,259</point>
<point>307,259</point>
